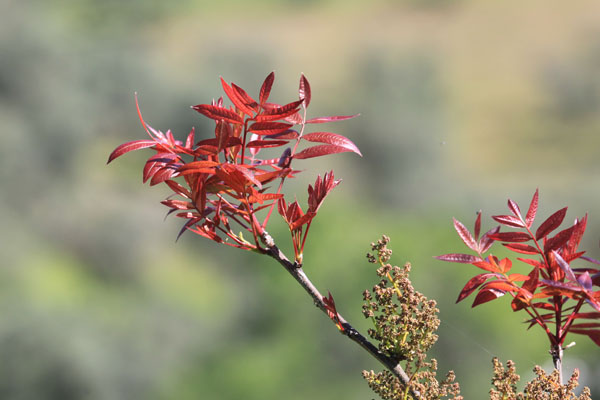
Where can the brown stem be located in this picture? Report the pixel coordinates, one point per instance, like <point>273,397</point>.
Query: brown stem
<point>298,273</point>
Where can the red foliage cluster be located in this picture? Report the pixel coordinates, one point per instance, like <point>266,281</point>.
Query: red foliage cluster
<point>546,291</point>
<point>222,183</point>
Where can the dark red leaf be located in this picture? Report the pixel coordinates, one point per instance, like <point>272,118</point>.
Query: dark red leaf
<point>511,237</point>
<point>487,295</point>
<point>509,220</point>
<point>245,97</point>
<point>551,223</point>
<point>263,144</point>
<point>322,120</point>
<point>236,99</point>
<point>486,242</point>
<point>464,234</point>
<point>218,113</point>
<point>533,206</point>
<point>501,285</point>
<point>593,334</point>
<point>265,89</point>
<point>162,175</point>
<point>305,219</point>
<point>591,315</point>
<point>566,268</point>
<point>521,248</point>
<point>177,188</point>
<point>273,113</point>
<point>459,258</point>
<point>578,231</point>
<point>130,146</point>
<point>514,207</point>
<point>477,229</point>
<point>559,239</point>
<point>269,128</point>
<point>472,285</point>
<point>304,90</point>
<point>529,261</point>
<point>488,266</point>
<point>320,150</point>
<point>332,138</point>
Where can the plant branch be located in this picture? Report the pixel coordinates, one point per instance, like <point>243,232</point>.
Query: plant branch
<point>298,273</point>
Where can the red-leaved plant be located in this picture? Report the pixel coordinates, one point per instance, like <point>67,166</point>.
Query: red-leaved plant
<point>222,180</point>
<point>553,293</point>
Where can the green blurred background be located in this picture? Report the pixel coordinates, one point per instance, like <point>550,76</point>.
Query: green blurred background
<point>463,104</point>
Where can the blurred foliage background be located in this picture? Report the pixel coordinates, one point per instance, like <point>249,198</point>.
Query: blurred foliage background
<point>463,104</point>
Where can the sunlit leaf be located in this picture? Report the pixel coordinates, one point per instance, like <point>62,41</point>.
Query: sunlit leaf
<point>487,295</point>
<point>332,138</point>
<point>551,223</point>
<point>472,285</point>
<point>130,146</point>
<point>322,120</point>
<point>533,206</point>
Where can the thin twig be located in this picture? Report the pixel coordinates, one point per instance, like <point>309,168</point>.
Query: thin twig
<point>298,273</point>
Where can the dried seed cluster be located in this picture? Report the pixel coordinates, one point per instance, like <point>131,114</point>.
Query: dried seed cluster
<point>542,387</point>
<point>405,322</point>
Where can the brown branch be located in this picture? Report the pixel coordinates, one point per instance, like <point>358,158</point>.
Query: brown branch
<point>298,273</point>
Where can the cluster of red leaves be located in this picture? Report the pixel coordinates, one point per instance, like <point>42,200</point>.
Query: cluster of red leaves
<point>553,293</point>
<point>222,183</point>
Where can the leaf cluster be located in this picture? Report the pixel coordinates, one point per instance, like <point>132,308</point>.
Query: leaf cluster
<point>552,293</point>
<point>220,183</point>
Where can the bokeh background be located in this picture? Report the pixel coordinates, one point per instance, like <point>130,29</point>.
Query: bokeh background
<point>463,104</point>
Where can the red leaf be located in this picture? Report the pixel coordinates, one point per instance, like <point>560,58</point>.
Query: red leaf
<point>578,231</point>
<point>265,89</point>
<point>564,266</point>
<point>322,120</point>
<point>559,239</point>
<point>521,248</point>
<point>488,266</point>
<point>477,225</point>
<point>533,206</point>
<point>244,97</point>
<point>514,207</point>
<point>304,90</point>
<point>509,220</point>
<point>459,258</point>
<point>529,261</point>
<point>511,237</point>
<point>162,175</point>
<point>263,144</point>
<point>305,219</point>
<point>329,304</point>
<point>593,334</point>
<point>464,234</point>
<point>273,113</point>
<point>487,295</point>
<point>332,138</point>
<point>177,188</point>
<point>269,128</point>
<point>551,223</point>
<point>236,99</point>
<point>486,242</point>
<point>130,146</point>
<point>218,113</point>
<point>196,167</point>
<point>320,150</point>
<point>501,285</point>
<point>472,285</point>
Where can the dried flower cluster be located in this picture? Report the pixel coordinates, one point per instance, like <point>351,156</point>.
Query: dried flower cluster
<point>542,387</point>
<point>405,322</point>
